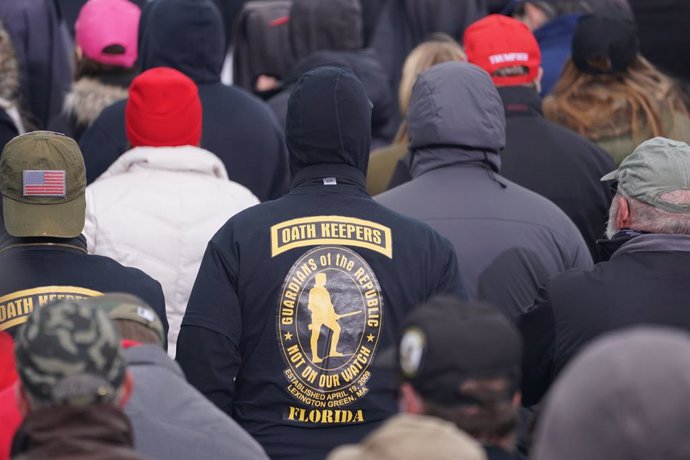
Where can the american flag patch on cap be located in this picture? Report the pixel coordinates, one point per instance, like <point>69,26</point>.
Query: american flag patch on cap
<point>44,183</point>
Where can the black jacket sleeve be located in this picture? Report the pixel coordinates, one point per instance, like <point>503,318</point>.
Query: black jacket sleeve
<point>538,332</point>
<point>210,362</point>
<point>208,345</point>
<point>450,281</point>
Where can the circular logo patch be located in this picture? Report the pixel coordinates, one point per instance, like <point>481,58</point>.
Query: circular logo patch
<point>411,351</point>
<point>329,320</point>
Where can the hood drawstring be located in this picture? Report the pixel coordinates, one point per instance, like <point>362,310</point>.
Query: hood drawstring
<point>492,174</point>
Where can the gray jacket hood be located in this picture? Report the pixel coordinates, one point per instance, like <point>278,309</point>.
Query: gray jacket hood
<point>455,115</point>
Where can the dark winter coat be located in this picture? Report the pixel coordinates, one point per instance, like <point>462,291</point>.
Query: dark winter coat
<point>404,24</point>
<point>8,130</point>
<point>44,54</point>
<point>281,282</point>
<point>644,282</point>
<point>662,28</point>
<point>556,163</point>
<point>34,271</point>
<point>188,35</point>
<point>508,239</point>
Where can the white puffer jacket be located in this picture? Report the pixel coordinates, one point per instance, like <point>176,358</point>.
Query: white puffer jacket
<point>155,209</point>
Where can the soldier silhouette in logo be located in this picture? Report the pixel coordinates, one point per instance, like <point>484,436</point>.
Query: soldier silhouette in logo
<point>323,314</point>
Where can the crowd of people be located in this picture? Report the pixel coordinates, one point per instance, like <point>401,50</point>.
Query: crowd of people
<point>410,229</point>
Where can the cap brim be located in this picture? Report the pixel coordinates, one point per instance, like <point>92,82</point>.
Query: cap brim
<point>610,176</point>
<point>61,220</point>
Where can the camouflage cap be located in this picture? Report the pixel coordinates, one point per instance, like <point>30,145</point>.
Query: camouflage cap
<point>42,181</point>
<point>127,307</point>
<point>68,354</point>
<point>656,167</point>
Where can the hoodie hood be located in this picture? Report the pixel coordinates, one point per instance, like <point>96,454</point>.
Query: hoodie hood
<point>328,120</point>
<point>186,35</point>
<point>317,25</point>
<point>368,70</point>
<point>455,105</point>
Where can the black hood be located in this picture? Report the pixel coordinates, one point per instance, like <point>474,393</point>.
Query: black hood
<point>317,25</point>
<point>186,35</point>
<point>328,120</point>
<point>368,70</point>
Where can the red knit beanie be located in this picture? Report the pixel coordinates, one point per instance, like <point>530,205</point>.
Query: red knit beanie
<point>163,110</point>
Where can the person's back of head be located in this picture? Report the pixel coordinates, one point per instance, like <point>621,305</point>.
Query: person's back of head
<point>186,35</point>
<point>456,103</point>
<point>68,355</point>
<point>163,110</point>
<point>625,397</point>
<point>608,88</point>
<point>316,25</point>
<point>506,49</point>
<point>42,180</point>
<point>328,120</point>
<point>653,193</point>
<point>106,33</point>
<point>461,362</point>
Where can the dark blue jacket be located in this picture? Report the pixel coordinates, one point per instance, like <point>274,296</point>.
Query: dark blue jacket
<point>187,35</point>
<point>34,271</point>
<point>43,51</point>
<point>295,297</point>
<point>555,40</point>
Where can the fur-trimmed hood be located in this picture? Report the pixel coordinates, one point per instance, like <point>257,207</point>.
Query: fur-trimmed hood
<point>89,97</point>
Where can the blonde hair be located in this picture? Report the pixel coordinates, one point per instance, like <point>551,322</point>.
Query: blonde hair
<point>604,106</point>
<point>426,55</point>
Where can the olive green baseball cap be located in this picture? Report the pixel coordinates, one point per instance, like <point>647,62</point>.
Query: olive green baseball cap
<point>655,167</point>
<point>42,181</point>
<point>128,307</point>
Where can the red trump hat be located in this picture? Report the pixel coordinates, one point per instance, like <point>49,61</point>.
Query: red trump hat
<point>497,42</point>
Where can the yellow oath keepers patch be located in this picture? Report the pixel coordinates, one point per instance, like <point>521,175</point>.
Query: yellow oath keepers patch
<point>317,230</point>
<point>16,307</point>
<point>328,322</point>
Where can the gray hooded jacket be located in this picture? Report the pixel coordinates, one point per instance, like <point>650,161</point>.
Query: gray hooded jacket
<point>172,420</point>
<point>508,239</point>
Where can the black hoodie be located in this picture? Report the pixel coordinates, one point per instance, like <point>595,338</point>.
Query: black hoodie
<point>187,35</point>
<point>330,34</point>
<point>281,282</point>
<point>404,24</point>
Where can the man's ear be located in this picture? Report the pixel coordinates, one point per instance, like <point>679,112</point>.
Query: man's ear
<point>410,401</point>
<point>623,218</point>
<point>21,399</point>
<point>537,81</point>
<point>517,399</point>
<point>127,387</point>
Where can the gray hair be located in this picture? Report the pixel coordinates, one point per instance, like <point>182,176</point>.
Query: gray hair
<point>647,218</point>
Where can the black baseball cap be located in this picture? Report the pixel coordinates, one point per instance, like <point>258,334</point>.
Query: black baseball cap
<point>605,44</point>
<point>446,341</point>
